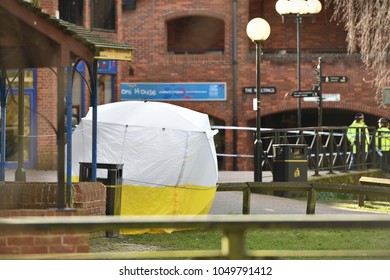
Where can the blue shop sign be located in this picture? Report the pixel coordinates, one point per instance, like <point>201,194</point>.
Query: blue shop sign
<point>174,91</point>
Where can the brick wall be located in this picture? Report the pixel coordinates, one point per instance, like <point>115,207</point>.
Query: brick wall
<point>89,197</point>
<point>26,195</point>
<point>145,29</point>
<point>47,119</point>
<point>42,242</point>
<point>146,32</point>
<point>39,199</point>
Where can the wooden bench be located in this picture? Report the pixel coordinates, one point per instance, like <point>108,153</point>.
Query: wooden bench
<point>372,182</point>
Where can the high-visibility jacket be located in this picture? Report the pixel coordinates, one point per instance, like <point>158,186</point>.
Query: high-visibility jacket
<point>382,139</point>
<point>355,135</point>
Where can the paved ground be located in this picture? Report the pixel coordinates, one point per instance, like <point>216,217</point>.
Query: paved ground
<point>227,202</point>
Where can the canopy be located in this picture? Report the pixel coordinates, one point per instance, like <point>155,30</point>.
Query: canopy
<point>167,151</point>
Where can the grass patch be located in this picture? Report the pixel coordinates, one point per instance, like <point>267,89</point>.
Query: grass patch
<point>332,196</point>
<point>374,206</point>
<point>268,239</point>
<point>319,239</point>
<point>273,239</point>
<point>181,240</point>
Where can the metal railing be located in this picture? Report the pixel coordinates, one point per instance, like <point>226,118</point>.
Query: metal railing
<point>328,147</point>
<point>234,228</point>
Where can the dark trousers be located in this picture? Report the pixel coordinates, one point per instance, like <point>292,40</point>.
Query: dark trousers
<point>385,158</point>
<point>357,161</point>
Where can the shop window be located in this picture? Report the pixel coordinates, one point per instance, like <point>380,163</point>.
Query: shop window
<point>12,115</point>
<point>13,76</point>
<point>129,4</point>
<point>104,89</point>
<point>12,128</point>
<point>71,10</point>
<point>196,35</point>
<point>103,14</point>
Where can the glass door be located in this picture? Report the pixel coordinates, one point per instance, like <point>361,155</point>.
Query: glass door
<point>12,110</point>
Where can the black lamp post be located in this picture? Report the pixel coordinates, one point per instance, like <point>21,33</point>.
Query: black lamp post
<point>298,9</point>
<point>258,30</point>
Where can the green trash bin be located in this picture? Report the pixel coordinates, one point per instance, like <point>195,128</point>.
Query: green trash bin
<point>290,163</point>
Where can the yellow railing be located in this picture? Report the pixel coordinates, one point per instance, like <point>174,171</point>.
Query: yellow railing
<point>233,227</point>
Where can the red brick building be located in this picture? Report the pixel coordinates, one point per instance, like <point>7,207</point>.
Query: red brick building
<point>205,42</point>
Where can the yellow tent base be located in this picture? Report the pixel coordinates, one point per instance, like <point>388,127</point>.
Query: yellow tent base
<point>178,200</point>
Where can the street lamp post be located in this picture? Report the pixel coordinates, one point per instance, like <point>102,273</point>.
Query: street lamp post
<point>319,74</point>
<point>298,9</point>
<point>258,30</point>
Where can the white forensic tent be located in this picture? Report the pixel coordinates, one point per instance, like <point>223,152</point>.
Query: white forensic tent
<point>167,151</point>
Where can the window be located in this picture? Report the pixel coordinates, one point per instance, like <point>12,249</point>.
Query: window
<point>103,14</point>
<point>13,76</point>
<point>104,89</point>
<point>71,10</point>
<point>196,35</point>
<point>386,96</point>
<point>29,143</point>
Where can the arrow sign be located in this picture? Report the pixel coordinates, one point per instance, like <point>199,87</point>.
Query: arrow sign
<point>325,97</point>
<point>304,93</point>
<point>334,79</point>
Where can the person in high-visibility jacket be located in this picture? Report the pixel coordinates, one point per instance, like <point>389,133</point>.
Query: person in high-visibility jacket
<point>382,142</point>
<point>359,138</point>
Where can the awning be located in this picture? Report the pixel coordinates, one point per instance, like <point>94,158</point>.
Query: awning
<point>30,38</point>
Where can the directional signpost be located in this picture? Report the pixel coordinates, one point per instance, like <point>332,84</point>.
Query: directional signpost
<point>320,97</point>
<point>325,97</point>
<point>304,93</point>
<point>334,79</point>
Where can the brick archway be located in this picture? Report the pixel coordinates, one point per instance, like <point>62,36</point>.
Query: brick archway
<point>193,12</point>
<point>354,107</point>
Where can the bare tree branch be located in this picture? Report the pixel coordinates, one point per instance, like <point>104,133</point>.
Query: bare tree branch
<point>367,23</point>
